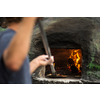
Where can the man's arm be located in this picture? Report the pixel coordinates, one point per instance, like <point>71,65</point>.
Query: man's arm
<point>18,48</point>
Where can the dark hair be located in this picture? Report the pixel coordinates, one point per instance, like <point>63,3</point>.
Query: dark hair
<point>13,19</point>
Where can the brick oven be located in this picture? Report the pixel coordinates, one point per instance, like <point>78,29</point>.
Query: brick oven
<point>75,45</point>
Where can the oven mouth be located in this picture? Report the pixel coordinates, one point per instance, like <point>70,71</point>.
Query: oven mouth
<point>68,63</point>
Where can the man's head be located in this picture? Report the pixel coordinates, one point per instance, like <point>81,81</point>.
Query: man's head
<point>11,20</point>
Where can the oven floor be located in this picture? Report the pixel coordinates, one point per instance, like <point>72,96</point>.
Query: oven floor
<point>64,76</point>
<point>57,81</point>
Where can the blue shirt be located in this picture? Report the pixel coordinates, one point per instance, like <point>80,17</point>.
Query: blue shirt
<point>8,76</point>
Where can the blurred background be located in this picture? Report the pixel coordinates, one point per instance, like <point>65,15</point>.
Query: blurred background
<point>3,24</point>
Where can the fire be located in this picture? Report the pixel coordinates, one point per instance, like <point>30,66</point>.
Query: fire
<point>76,58</point>
<point>54,64</point>
<point>69,68</point>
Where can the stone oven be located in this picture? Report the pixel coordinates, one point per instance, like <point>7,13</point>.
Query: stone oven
<point>75,44</point>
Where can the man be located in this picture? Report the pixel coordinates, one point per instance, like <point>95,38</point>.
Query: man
<point>14,46</point>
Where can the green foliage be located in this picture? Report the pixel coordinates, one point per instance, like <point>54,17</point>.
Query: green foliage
<point>2,29</point>
<point>92,65</point>
<point>93,74</point>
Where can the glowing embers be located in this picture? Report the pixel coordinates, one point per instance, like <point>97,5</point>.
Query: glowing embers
<point>67,62</point>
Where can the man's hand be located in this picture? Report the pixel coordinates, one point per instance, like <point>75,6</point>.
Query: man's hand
<point>40,61</point>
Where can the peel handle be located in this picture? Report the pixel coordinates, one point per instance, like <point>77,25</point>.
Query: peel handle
<point>46,46</point>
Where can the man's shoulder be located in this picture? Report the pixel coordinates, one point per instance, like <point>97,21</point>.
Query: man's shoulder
<point>7,33</point>
<point>5,38</point>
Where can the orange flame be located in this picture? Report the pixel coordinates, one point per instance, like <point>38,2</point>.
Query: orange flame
<point>76,57</point>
